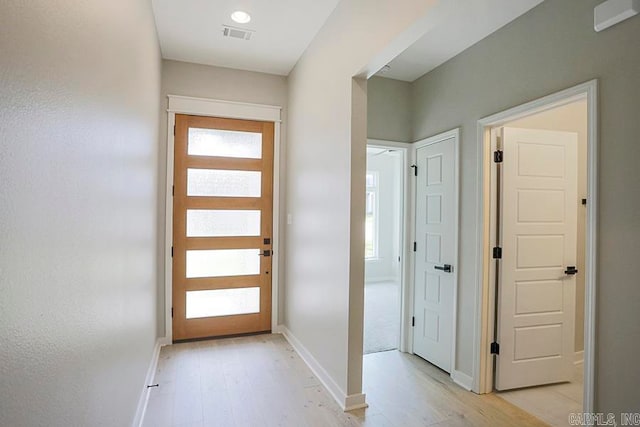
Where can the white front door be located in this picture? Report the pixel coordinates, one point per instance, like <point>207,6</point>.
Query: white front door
<point>435,247</point>
<point>536,294</point>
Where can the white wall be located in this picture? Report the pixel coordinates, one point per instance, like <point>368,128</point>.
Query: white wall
<point>79,97</point>
<point>570,118</point>
<point>550,48</point>
<point>385,266</point>
<point>205,81</point>
<point>325,185</point>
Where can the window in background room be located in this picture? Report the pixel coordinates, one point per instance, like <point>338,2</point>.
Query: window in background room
<point>371,221</point>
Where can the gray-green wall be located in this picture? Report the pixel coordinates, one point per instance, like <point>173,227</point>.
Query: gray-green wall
<point>388,114</point>
<point>551,48</point>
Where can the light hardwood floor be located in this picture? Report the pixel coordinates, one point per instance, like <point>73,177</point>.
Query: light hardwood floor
<point>551,403</point>
<point>261,381</point>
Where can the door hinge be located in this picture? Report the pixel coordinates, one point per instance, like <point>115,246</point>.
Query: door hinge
<point>171,311</point>
<point>174,130</point>
<point>497,253</point>
<point>495,348</point>
<point>415,169</point>
<point>415,246</point>
<point>498,156</point>
<point>413,321</point>
<point>173,190</point>
<point>171,251</point>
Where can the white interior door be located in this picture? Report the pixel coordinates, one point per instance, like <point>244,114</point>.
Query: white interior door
<point>536,295</point>
<point>435,248</point>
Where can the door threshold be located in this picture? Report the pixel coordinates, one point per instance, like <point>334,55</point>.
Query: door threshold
<point>219,337</point>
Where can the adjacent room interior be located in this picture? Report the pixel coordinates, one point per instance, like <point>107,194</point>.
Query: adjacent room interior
<point>383,251</point>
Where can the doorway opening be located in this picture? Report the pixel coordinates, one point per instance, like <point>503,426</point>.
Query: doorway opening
<point>211,137</point>
<point>384,225</point>
<point>423,307</point>
<point>539,175</point>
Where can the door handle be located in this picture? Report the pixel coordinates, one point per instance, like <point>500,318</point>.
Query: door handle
<point>571,270</point>
<point>266,252</point>
<point>446,268</point>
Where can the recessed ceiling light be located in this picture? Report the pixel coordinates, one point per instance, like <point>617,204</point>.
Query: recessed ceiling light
<point>241,17</point>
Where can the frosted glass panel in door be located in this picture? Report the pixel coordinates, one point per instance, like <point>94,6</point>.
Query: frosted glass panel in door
<point>222,302</point>
<point>224,143</point>
<point>222,262</point>
<point>223,183</point>
<point>222,223</point>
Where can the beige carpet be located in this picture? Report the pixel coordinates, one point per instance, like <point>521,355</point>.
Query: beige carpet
<point>381,316</point>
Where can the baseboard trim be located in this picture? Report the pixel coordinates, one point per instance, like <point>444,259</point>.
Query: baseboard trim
<point>579,358</point>
<point>346,403</point>
<point>151,373</point>
<point>355,401</point>
<point>463,380</point>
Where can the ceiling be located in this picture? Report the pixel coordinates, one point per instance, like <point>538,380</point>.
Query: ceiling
<point>459,25</point>
<point>191,31</point>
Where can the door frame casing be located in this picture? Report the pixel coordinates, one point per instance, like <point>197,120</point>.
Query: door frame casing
<point>228,110</point>
<point>405,313</point>
<point>483,361</point>
<point>457,376</point>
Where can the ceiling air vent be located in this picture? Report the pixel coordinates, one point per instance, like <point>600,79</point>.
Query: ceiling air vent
<point>236,33</point>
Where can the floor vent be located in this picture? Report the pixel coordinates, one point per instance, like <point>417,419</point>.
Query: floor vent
<point>236,33</point>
